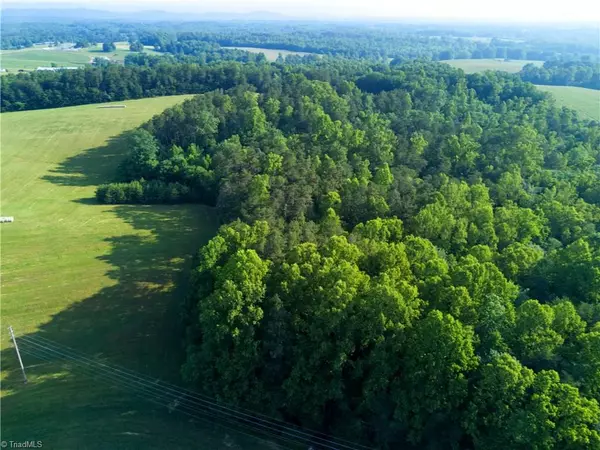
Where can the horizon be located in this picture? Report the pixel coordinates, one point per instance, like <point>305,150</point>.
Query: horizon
<point>465,11</point>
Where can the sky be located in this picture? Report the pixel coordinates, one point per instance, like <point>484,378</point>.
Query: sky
<point>468,10</point>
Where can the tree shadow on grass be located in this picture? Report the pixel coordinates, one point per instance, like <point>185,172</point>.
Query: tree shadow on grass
<point>91,167</point>
<point>134,323</point>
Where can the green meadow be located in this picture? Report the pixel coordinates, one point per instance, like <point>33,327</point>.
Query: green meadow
<point>481,65</point>
<point>34,57</point>
<point>585,101</point>
<point>105,280</point>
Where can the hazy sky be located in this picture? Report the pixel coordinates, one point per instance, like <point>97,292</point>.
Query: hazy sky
<point>520,10</point>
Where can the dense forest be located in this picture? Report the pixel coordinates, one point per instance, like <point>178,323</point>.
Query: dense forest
<point>410,257</point>
<point>564,73</point>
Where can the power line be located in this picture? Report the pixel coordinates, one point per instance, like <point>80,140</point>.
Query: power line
<point>183,398</point>
<point>191,414</point>
<point>179,403</point>
<point>196,395</point>
<point>202,398</point>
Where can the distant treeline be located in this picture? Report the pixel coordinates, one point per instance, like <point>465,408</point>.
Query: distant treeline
<point>22,35</point>
<point>570,73</point>
<point>38,90</point>
<point>368,41</point>
<point>148,76</point>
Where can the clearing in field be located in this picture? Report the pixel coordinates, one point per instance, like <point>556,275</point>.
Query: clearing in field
<point>481,65</point>
<point>40,56</point>
<point>98,278</point>
<point>585,101</point>
<point>271,54</point>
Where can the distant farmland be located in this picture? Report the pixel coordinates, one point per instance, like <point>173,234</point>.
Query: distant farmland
<point>481,65</point>
<point>31,58</point>
<point>585,101</point>
<point>34,57</point>
<point>271,54</point>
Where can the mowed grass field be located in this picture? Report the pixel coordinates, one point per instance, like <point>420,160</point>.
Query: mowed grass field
<point>270,53</point>
<point>105,280</point>
<point>481,65</point>
<point>585,101</point>
<point>34,57</point>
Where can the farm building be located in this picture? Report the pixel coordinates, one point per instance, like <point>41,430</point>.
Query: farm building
<point>7,219</point>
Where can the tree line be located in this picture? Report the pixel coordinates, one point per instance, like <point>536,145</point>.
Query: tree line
<point>37,90</point>
<point>410,256</point>
<point>566,73</point>
<point>150,76</point>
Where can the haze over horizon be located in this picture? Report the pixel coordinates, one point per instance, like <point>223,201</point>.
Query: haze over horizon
<point>460,10</point>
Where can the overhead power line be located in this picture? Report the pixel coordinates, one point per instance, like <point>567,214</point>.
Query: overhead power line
<point>181,399</point>
<point>196,414</point>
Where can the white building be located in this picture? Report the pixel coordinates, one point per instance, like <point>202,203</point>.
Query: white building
<point>54,69</point>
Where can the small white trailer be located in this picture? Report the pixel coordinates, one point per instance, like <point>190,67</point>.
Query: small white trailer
<point>4,219</point>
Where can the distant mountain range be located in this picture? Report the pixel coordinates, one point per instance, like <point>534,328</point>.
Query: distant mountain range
<point>15,11</point>
<point>63,12</point>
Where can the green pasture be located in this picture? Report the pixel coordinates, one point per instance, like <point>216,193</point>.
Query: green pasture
<point>481,65</point>
<point>105,280</point>
<point>34,57</point>
<point>585,101</point>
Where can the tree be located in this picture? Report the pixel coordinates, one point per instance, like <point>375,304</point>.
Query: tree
<point>534,337</point>
<point>516,408</point>
<point>515,224</point>
<point>136,46</point>
<point>583,362</point>
<point>108,47</point>
<point>575,271</point>
<point>227,358</point>
<point>517,260</point>
<point>499,396</point>
<point>438,358</point>
<point>142,161</point>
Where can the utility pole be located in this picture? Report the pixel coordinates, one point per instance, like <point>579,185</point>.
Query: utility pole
<point>12,336</point>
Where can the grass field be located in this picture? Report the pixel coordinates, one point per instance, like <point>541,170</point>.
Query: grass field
<point>480,65</point>
<point>34,57</point>
<point>271,54</point>
<point>585,101</point>
<point>102,279</point>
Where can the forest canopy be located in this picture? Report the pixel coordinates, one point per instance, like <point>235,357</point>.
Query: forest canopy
<point>409,256</point>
